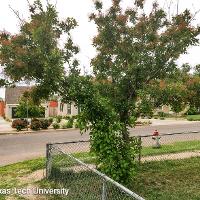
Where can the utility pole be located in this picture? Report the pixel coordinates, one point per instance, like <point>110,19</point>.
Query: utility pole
<point>27,111</point>
<point>28,85</point>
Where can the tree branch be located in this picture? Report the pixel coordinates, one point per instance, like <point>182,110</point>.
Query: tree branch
<point>17,14</point>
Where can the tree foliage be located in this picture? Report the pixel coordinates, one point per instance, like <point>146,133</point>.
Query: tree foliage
<point>173,94</point>
<point>26,104</point>
<point>133,49</point>
<point>35,53</point>
<point>180,93</point>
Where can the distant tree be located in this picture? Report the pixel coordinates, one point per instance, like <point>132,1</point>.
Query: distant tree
<point>177,97</point>
<point>193,88</point>
<point>179,94</point>
<point>186,68</point>
<point>35,52</point>
<point>26,104</point>
<point>145,104</point>
<point>197,70</point>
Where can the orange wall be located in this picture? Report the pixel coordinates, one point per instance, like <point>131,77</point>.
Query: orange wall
<point>2,107</point>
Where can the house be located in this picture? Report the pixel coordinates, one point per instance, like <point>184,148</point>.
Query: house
<point>165,108</point>
<point>67,109</point>
<point>52,108</point>
<point>12,96</point>
<point>57,108</point>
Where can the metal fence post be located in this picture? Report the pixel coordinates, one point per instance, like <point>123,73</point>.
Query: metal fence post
<point>48,160</point>
<point>103,190</point>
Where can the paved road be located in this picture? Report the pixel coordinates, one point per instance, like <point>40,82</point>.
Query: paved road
<point>15,148</point>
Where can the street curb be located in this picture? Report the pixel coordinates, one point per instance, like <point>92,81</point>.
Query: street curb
<point>30,131</point>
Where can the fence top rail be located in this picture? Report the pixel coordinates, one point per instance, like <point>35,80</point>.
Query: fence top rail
<point>176,133</point>
<point>69,142</point>
<point>142,136</point>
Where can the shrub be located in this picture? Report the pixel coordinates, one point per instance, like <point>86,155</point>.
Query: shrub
<point>142,115</point>
<point>192,111</point>
<point>147,123</point>
<point>132,120</point>
<point>34,119</point>
<point>74,117</point>
<point>162,118</point>
<point>63,123</point>
<point>50,120</point>
<point>161,114</point>
<point>64,126</point>
<point>70,124</point>
<point>45,123</point>
<point>58,118</point>
<point>8,120</point>
<point>76,124</point>
<point>67,117</point>
<point>138,123</point>
<point>149,116</point>
<point>67,123</point>
<point>193,117</point>
<point>35,124</point>
<point>56,125</point>
<point>19,124</point>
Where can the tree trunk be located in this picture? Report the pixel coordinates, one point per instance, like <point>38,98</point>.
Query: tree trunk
<point>124,120</point>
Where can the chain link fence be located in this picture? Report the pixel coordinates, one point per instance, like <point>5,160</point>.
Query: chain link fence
<point>171,146</point>
<point>82,180</point>
<point>71,164</point>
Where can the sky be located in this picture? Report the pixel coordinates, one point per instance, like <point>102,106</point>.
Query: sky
<point>80,10</point>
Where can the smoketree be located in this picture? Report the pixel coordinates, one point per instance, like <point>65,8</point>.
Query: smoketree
<point>133,49</point>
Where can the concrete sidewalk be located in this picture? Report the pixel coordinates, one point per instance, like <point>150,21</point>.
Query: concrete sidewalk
<point>5,128</point>
<point>170,121</point>
<point>172,156</point>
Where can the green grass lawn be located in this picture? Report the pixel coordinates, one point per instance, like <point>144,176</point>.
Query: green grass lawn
<point>161,180</point>
<point>169,180</point>
<point>164,180</point>
<point>175,147</point>
<point>172,148</point>
<point>193,117</point>
<point>10,175</point>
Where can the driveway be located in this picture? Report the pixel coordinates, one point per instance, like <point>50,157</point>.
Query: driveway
<point>5,126</point>
<point>15,148</point>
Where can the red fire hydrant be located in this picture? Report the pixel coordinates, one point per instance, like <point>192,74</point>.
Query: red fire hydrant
<point>156,137</point>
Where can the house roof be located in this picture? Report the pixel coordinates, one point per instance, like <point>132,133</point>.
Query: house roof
<point>13,94</point>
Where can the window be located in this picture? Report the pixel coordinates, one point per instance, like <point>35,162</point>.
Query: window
<point>14,111</point>
<point>69,109</point>
<point>61,107</point>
